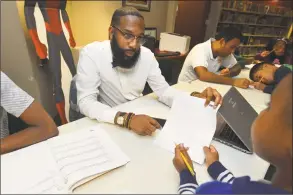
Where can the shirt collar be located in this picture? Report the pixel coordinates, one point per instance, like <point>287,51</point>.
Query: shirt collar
<point>210,48</point>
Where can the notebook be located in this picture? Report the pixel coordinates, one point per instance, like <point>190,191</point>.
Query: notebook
<point>60,164</point>
<point>190,123</point>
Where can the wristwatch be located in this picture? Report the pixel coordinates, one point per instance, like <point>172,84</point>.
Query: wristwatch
<point>120,120</point>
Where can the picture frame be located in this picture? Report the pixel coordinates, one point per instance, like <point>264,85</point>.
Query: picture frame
<point>141,5</point>
<point>151,31</point>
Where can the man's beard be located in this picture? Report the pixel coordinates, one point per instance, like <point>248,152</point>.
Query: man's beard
<point>119,57</point>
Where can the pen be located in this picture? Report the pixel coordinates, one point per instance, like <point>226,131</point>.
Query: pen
<point>186,163</point>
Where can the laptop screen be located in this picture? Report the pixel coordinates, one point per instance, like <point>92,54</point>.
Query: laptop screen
<point>239,115</point>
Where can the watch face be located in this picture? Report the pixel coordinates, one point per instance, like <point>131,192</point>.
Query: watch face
<point>120,120</point>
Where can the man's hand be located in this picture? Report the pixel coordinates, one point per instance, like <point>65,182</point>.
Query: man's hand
<point>143,125</point>
<point>242,83</point>
<point>178,161</point>
<point>259,86</point>
<point>211,94</point>
<point>225,72</point>
<point>211,155</point>
<point>72,42</point>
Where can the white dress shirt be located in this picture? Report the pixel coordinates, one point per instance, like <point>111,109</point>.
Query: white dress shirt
<point>101,87</point>
<point>202,55</point>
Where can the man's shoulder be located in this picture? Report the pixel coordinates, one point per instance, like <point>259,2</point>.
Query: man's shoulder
<point>146,51</point>
<point>201,47</point>
<point>96,47</point>
<point>146,54</point>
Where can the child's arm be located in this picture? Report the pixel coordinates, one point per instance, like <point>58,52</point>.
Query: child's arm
<point>218,172</point>
<point>215,169</point>
<point>188,183</point>
<point>269,89</point>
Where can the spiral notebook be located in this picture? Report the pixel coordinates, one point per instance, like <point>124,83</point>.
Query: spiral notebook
<point>60,164</point>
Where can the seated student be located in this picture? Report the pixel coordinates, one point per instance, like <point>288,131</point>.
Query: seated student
<point>111,73</point>
<point>272,141</point>
<point>276,52</point>
<point>205,59</point>
<point>266,76</point>
<point>18,103</point>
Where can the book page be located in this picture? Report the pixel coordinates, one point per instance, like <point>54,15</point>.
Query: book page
<point>190,123</point>
<point>31,170</point>
<point>85,153</point>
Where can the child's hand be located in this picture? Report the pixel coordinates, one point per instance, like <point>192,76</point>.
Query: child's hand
<point>225,72</point>
<point>259,86</point>
<point>265,53</point>
<point>178,161</point>
<point>211,154</point>
<point>256,61</point>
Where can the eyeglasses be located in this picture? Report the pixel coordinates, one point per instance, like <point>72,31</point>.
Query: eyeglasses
<point>130,37</point>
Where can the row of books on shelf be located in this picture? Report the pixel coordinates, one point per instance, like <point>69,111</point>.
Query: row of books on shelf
<point>250,51</point>
<point>251,19</point>
<point>256,30</point>
<point>256,41</point>
<point>249,6</point>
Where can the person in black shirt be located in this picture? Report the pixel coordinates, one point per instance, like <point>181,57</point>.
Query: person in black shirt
<point>266,76</point>
<point>277,51</point>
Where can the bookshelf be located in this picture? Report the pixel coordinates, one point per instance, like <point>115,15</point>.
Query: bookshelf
<point>258,22</point>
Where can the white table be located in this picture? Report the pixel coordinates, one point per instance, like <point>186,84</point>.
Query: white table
<point>151,169</point>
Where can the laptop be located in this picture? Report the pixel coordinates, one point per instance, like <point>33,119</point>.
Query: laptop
<point>234,120</point>
<point>167,53</point>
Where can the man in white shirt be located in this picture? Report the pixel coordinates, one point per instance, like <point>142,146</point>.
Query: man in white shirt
<point>113,72</point>
<point>205,59</point>
<point>18,103</point>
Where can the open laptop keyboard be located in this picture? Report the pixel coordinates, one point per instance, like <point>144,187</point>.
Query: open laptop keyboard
<point>229,135</point>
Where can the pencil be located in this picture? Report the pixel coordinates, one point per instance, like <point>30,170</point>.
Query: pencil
<point>271,51</point>
<point>260,79</point>
<point>186,163</point>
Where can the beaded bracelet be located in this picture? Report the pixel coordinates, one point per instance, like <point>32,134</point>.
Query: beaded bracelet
<point>128,127</point>
<point>127,119</point>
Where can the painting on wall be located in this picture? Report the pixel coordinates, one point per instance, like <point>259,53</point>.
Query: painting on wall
<point>142,5</point>
<point>151,31</point>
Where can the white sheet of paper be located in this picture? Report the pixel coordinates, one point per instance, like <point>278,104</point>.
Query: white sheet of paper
<point>249,66</point>
<point>190,123</point>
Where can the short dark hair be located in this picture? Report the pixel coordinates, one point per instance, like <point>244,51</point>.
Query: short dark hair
<point>256,68</point>
<point>229,33</point>
<point>124,11</point>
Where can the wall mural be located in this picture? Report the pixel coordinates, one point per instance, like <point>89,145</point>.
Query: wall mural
<point>56,41</point>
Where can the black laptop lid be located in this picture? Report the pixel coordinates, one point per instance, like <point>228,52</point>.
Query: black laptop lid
<point>239,115</point>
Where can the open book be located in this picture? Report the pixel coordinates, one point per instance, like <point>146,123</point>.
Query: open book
<point>60,164</point>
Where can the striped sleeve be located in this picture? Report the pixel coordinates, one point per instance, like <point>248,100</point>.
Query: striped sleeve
<point>218,172</point>
<point>188,183</point>
<point>13,99</point>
